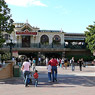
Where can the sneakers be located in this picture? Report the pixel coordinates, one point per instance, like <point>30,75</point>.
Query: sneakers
<point>49,81</point>
<point>55,79</point>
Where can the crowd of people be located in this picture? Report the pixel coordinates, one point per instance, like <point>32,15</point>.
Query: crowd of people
<point>52,65</point>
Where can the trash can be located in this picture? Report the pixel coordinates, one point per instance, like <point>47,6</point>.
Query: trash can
<point>16,71</point>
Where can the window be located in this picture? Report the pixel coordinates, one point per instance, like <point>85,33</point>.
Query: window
<point>44,39</point>
<point>56,39</point>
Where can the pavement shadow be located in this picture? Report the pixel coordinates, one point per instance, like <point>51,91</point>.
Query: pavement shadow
<point>13,81</point>
<point>79,80</point>
<point>62,79</point>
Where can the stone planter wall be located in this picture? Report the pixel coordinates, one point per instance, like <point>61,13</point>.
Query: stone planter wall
<point>7,70</point>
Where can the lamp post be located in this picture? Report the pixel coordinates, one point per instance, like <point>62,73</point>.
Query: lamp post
<point>11,44</point>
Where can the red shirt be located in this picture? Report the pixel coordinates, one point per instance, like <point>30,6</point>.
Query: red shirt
<point>53,62</point>
<point>35,75</point>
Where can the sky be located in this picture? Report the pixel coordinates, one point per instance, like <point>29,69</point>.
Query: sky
<point>71,16</point>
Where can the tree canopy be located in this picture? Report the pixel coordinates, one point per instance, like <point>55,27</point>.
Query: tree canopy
<point>6,22</point>
<point>90,37</point>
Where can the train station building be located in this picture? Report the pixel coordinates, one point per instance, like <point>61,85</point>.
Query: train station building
<point>31,41</point>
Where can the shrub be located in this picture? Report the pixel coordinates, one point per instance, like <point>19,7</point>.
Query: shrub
<point>6,56</point>
<point>77,57</point>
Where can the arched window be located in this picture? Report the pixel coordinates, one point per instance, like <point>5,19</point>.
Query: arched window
<point>56,39</point>
<point>44,39</point>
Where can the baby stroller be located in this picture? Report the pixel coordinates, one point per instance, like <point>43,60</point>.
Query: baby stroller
<point>28,78</point>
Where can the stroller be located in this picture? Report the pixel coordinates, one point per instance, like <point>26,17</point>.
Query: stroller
<point>28,78</point>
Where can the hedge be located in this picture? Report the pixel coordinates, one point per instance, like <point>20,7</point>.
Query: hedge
<point>77,57</point>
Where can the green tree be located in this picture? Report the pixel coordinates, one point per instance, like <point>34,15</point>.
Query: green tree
<point>6,23</point>
<point>90,37</point>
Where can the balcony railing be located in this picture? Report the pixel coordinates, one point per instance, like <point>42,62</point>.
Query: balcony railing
<point>38,45</point>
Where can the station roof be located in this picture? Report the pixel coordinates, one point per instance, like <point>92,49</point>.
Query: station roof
<point>49,31</point>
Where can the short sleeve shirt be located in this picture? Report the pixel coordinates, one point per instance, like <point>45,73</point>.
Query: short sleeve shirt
<point>53,62</point>
<point>26,66</point>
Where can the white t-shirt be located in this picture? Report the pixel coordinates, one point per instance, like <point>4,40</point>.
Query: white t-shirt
<point>46,61</point>
<point>62,61</point>
<point>71,61</point>
<point>26,66</point>
<point>49,68</point>
<point>39,59</point>
<point>58,60</point>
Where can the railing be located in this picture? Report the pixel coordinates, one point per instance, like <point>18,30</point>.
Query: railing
<point>38,45</point>
<point>76,46</point>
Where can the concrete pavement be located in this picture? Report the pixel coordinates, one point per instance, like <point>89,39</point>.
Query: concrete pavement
<point>69,83</point>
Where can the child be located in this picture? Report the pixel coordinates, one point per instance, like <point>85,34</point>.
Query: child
<point>36,78</point>
<point>49,72</point>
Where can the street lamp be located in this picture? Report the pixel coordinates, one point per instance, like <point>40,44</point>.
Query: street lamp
<point>11,44</point>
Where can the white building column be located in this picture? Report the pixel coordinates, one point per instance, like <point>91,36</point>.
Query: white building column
<point>50,39</point>
<point>62,38</point>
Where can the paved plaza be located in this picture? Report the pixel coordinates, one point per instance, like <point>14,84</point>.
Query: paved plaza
<point>69,83</point>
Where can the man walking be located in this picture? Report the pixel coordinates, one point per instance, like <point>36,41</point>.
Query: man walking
<point>26,70</point>
<point>80,62</point>
<point>53,62</point>
<point>72,64</point>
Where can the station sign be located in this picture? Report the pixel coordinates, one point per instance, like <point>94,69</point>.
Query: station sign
<point>26,32</point>
<point>15,53</point>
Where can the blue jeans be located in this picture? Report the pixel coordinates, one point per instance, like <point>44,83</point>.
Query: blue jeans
<point>73,67</point>
<point>49,76</point>
<point>36,82</point>
<point>54,73</point>
<point>26,75</point>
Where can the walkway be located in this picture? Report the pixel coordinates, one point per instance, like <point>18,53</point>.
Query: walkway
<point>69,83</point>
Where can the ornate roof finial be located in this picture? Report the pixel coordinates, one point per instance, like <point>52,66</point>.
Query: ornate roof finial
<point>27,21</point>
